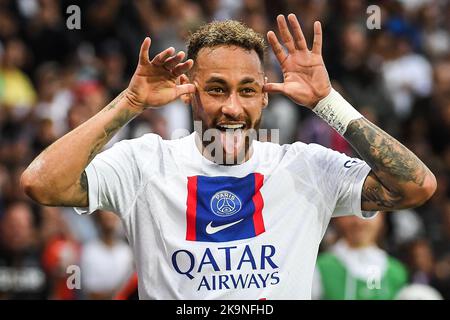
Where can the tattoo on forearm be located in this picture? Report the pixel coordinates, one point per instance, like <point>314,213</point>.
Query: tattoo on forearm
<point>374,192</point>
<point>384,154</point>
<point>373,195</point>
<point>118,122</point>
<point>84,182</point>
<point>81,197</point>
<point>392,164</point>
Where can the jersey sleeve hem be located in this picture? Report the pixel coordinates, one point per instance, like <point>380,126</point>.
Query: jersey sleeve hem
<point>357,192</point>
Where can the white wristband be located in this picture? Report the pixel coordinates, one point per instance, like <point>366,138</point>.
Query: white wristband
<point>336,111</point>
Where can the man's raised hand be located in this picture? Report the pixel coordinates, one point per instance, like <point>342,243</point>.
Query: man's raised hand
<point>306,79</point>
<point>155,82</point>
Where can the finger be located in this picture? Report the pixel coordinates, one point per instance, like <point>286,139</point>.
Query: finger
<point>285,34</point>
<point>143,53</point>
<point>185,89</point>
<point>276,47</point>
<point>273,87</point>
<point>182,68</point>
<point>171,62</point>
<point>162,56</point>
<point>317,44</point>
<point>183,79</point>
<point>299,38</point>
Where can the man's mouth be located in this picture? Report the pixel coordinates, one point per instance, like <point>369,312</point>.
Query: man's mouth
<point>232,136</point>
<point>230,126</point>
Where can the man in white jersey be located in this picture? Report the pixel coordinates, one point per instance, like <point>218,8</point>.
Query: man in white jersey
<point>202,226</point>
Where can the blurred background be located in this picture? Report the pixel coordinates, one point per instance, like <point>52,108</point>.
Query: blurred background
<point>52,79</point>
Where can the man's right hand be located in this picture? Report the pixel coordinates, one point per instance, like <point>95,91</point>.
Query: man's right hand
<point>56,177</point>
<point>154,82</point>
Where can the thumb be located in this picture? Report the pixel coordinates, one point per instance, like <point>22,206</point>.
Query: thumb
<point>184,89</point>
<point>273,87</point>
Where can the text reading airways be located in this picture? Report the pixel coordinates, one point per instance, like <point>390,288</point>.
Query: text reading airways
<point>233,259</point>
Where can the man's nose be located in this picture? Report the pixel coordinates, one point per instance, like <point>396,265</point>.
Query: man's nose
<point>232,107</point>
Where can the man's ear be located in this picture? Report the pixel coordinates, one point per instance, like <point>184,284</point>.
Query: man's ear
<point>266,96</point>
<point>186,98</point>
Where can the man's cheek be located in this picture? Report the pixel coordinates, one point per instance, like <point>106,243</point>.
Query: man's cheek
<point>254,114</point>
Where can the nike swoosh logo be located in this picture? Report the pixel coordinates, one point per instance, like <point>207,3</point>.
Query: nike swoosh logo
<point>211,230</point>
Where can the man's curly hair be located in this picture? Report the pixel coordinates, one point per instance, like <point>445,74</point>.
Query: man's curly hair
<point>227,32</point>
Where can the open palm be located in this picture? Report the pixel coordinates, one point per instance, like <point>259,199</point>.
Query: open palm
<point>155,82</point>
<point>306,79</point>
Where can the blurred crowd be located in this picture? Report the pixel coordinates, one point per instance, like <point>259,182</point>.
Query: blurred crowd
<point>52,79</point>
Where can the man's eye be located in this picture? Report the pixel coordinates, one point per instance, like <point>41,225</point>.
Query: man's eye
<point>248,91</point>
<point>216,90</point>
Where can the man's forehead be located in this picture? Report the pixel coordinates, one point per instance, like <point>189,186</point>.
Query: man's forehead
<point>228,58</point>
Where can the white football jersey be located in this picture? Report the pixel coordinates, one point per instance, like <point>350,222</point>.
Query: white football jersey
<point>199,230</point>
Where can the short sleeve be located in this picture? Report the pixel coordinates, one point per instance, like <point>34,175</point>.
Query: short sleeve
<point>113,180</point>
<point>341,179</point>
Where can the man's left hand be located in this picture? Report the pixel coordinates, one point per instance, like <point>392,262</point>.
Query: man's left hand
<point>306,79</point>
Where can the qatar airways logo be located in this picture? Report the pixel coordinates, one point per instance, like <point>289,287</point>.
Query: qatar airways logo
<point>231,267</point>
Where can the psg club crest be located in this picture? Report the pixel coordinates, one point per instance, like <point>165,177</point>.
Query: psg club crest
<point>223,209</point>
<point>225,203</point>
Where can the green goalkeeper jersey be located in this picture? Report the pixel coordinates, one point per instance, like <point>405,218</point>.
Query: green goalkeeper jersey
<point>338,283</point>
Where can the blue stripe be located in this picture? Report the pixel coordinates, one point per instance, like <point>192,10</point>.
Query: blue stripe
<point>243,189</point>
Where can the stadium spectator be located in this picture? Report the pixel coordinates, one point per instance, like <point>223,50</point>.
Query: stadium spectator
<point>356,268</point>
<point>60,251</point>
<point>21,272</point>
<point>442,252</point>
<point>421,262</point>
<point>106,264</point>
<point>17,91</point>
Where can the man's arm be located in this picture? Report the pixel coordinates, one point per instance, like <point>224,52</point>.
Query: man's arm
<point>398,178</point>
<point>56,177</point>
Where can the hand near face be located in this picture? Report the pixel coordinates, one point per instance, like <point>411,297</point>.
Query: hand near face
<point>155,82</point>
<point>306,79</point>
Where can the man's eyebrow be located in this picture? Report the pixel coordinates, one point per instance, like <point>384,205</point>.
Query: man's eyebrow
<point>216,79</point>
<point>248,80</point>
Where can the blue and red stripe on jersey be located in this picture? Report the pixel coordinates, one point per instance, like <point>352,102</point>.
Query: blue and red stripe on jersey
<point>224,208</point>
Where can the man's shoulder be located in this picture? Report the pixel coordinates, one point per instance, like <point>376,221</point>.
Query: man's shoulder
<point>147,139</point>
<point>151,142</point>
<point>296,148</point>
<point>270,146</point>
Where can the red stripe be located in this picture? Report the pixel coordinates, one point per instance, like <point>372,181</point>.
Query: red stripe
<point>130,287</point>
<point>258,202</point>
<point>191,211</point>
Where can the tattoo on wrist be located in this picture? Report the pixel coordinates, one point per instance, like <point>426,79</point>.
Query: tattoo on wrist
<point>114,103</point>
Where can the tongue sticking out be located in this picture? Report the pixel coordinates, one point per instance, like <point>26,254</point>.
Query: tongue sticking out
<point>232,141</point>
